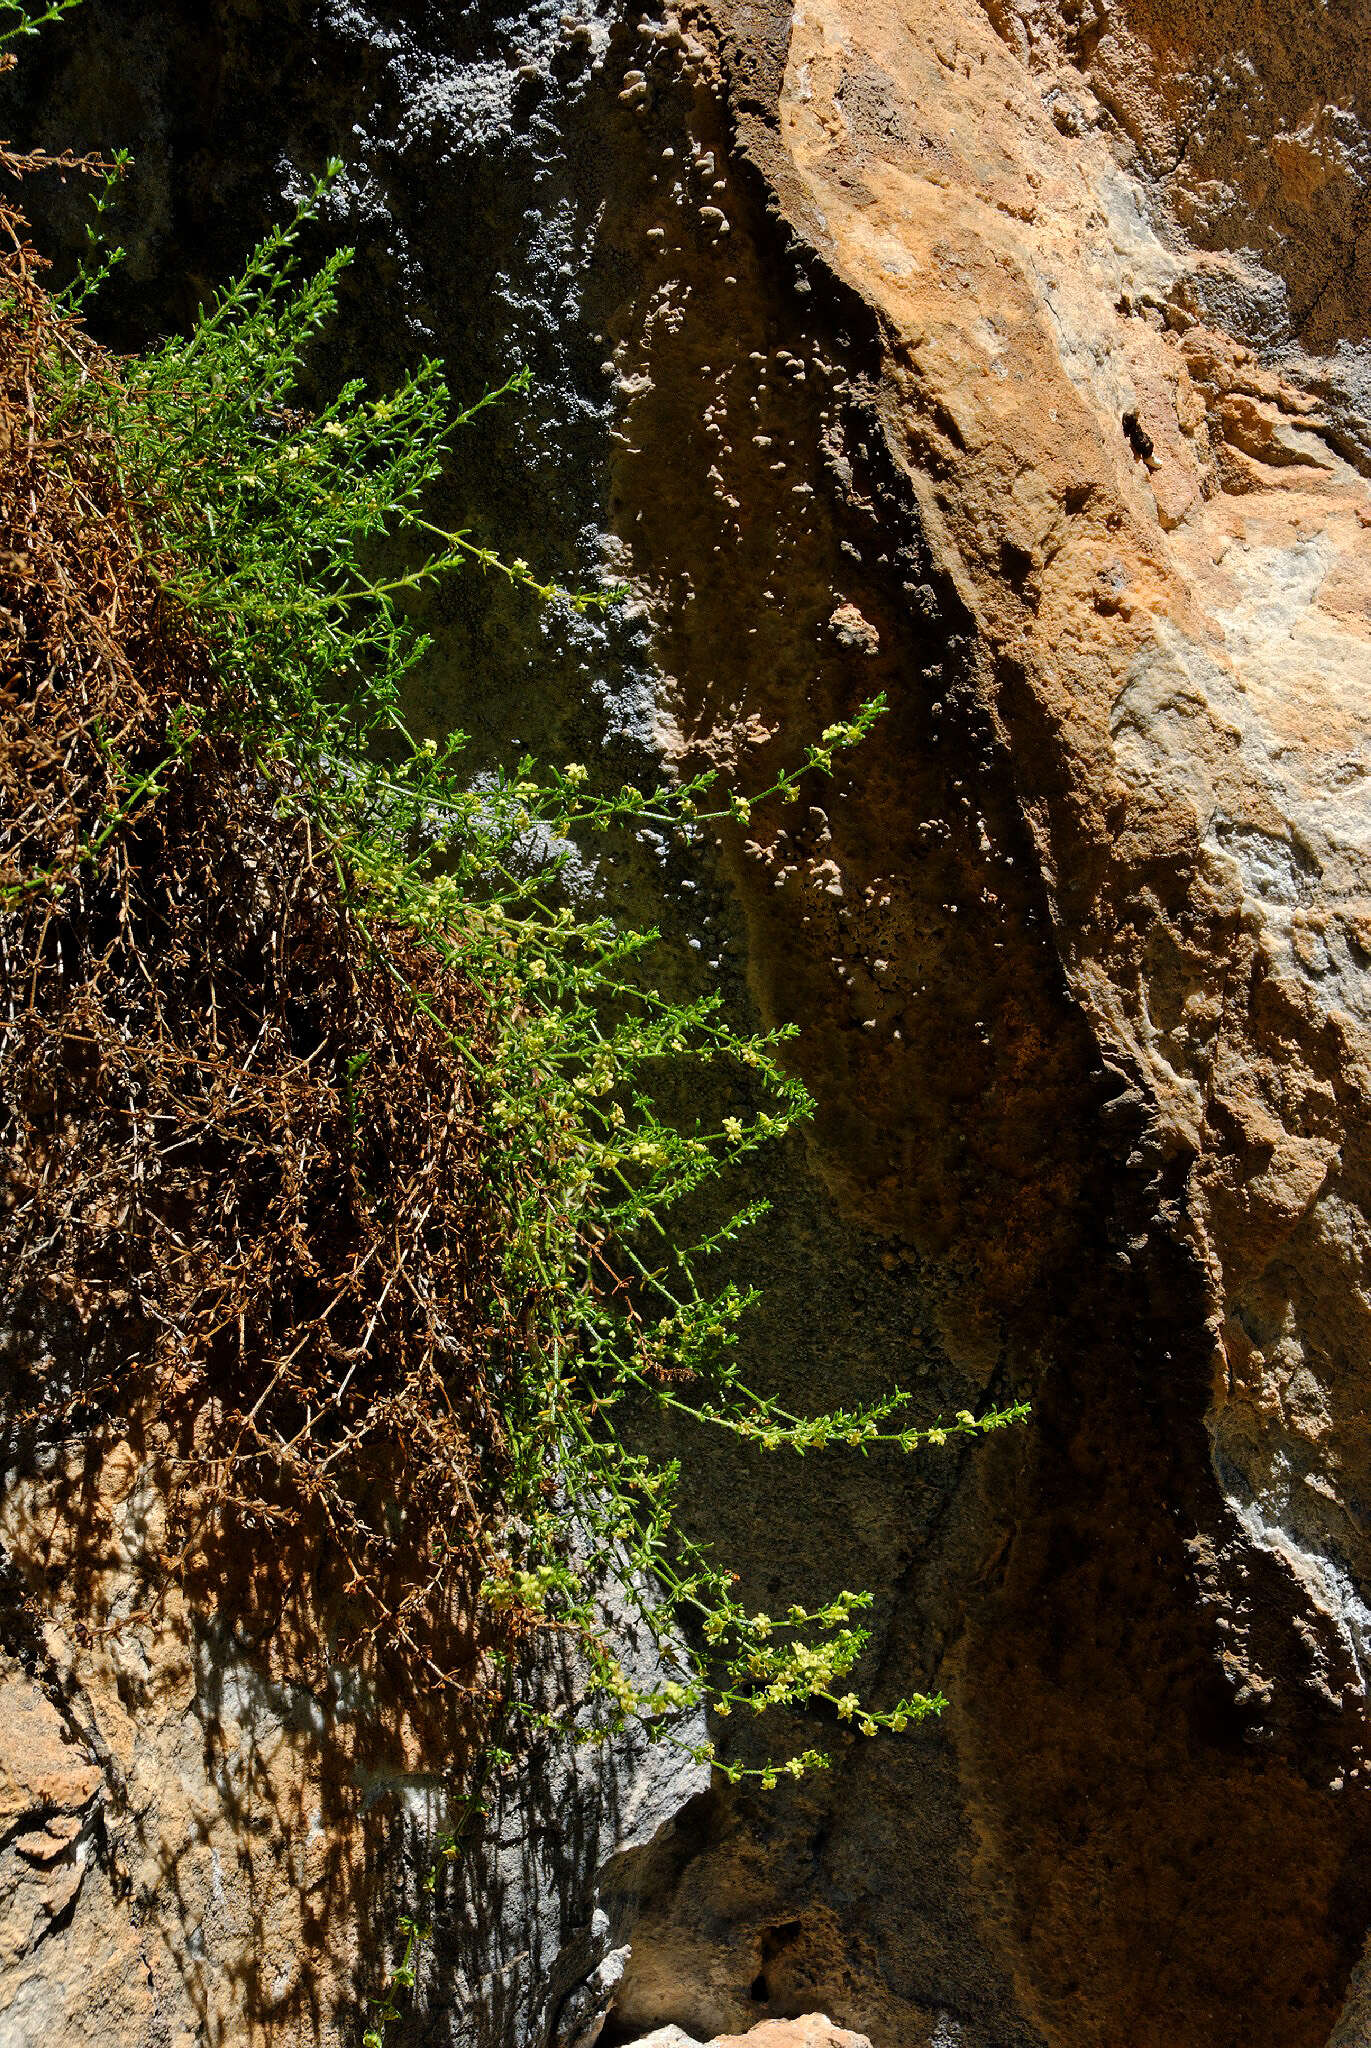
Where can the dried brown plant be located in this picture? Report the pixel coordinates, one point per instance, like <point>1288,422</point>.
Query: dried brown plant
<point>241,1196</point>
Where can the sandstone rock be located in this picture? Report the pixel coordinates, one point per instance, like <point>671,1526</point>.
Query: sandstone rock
<point>1037,344</point>
<point>1214,707</point>
<point>186,1832</point>
<point>810,2030</point>
<point>670,2036</point>
<point>851,630</point>
<point>49,1806</point>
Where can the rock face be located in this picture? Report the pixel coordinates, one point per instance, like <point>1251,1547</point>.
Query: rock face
<point>1010,358</point>
<point>811,2030</point>
<point>1120,457</point>
<point>195,1846</point>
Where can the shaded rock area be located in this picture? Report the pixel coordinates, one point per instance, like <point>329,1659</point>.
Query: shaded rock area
<point>198,1847</point>
<point>1009,358</point>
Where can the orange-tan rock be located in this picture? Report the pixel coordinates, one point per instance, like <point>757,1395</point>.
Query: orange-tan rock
<point>810,2030</point>
<point>1010,358</point>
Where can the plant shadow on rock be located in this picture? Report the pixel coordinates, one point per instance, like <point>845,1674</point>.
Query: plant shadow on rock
<point>1063,1594</point>
<point>178,1160</point>
<point>249,1457</point>
<point>247,1840</point>
<point>990,1201</point>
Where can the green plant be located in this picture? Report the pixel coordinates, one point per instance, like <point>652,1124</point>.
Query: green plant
<point>264,517</point>
<point>261,525</point>
<point>16,20</point>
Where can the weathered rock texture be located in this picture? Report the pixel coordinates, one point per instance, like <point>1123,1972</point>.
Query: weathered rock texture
<point>1159,530</point>
<point>1010,359</point>
<point>197,1847</point>
<point>810,2030</point>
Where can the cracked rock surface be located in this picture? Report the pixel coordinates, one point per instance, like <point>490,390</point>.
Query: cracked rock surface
<point>1010,358</point>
